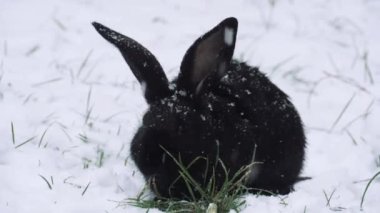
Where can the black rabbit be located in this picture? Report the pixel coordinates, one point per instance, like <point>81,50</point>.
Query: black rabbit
<point>217,108</point>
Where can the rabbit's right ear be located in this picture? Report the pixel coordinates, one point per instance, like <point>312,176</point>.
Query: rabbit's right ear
<point>143,64</point>
<point>210,54</point>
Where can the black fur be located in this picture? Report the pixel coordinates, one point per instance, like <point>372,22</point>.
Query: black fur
<point>216,108</point>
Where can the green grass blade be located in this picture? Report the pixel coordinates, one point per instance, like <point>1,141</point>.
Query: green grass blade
<point>25,142</point>
<point>13,134</point>
<point>366,188</point>
<point>47,182</point>
<point>85,189</point>
<point>43,136</point>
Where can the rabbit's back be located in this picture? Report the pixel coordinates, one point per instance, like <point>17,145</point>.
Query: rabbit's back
<point>266,122</point>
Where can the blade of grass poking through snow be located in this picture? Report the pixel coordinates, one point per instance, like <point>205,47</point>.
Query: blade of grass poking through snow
<point>352,137</point>
<point>25,142</point>
<point>59,24</point>
<point>88,107</point>
<point>100,158</point>
<point>366,188</point>
<point>328,197</point>
<point>13,134</point>
<point>27,99</point>
<point>348,81</point>
<point>120,150</point>
<point>42,136</point>
<point>362,116</point>
<point>34,49</point>
<point>83,137</point>
<point>88,98</point>
<point>189,181</point>
<point>118,130</point>
<point>114,115</point>
<point>84,63</point>
<point>342,112</point>
<point>185,173</point>
<point>366,67</point>
<point>88,115</point>
<point>47,182</point>
<point>64,128</point>
<point>86,163</point>
<point>85,189</point>
<point>46,82</point>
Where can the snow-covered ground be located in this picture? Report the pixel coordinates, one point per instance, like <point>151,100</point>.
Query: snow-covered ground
<point>69,95</point>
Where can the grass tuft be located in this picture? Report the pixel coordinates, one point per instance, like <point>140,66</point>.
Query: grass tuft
<point>89,108</point>
<point>228,197</point>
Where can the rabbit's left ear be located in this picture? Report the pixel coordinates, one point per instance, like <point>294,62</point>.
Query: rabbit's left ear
<point>210,54</point>
<point>142,62</point>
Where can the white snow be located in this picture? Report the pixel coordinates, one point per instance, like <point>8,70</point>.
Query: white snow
<point>319,52</point>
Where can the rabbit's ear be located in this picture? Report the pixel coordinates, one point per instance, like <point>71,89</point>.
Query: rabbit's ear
<point>143,64</point>
<point>210,54</point>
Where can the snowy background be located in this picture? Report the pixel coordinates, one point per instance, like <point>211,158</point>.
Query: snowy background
<point>69,105</point>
